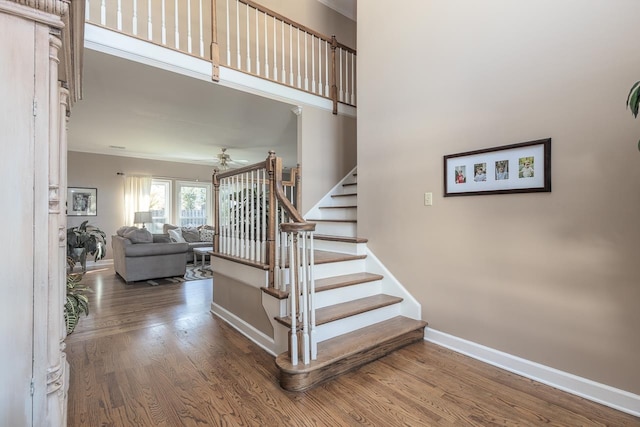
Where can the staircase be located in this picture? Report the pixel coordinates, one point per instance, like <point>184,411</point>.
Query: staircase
<point>360,314</point>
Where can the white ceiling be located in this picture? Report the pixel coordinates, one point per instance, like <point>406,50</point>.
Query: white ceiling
<point>159,114</point>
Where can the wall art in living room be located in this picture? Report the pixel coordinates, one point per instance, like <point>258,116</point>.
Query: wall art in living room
<point>82,201</point>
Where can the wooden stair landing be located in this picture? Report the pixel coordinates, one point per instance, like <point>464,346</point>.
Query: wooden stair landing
<point>350,351</point>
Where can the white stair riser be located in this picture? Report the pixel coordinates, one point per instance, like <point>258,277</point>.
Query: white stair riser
<point>350,324</point>
<point>346,229</point>
<point>349,189</point>
<point>350,213</point>
<point>342,247</point>
<point>347,293</point>
<point>331,269</point>
<point>344,201</point>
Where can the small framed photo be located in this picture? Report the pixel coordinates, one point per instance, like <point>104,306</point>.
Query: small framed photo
<point>82,201</point>
<point>517,168</point>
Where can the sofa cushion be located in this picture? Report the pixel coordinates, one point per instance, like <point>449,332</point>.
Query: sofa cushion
<point>167,227</point>
<point>176,235</point>
<point>155,249</point>
<point>161,238</point>
<point>190,234</point>
<point>139,235</point>
<point>125,229</point>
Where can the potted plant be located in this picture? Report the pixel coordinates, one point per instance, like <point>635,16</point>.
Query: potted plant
<point>633,101</point>
<point>76,302</point>
<point>86,239</point>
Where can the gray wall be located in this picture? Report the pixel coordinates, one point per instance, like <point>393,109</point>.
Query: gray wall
<point>550,277</point>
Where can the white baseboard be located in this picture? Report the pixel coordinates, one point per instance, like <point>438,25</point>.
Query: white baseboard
<point>264,341</point>
<point>601,393</point>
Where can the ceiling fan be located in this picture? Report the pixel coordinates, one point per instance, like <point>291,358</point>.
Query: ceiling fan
<point>224,160</point>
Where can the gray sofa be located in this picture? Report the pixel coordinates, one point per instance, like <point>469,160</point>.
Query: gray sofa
<point>143,261</point>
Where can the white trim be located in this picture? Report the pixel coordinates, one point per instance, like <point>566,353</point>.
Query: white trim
<point>601,393</point>
<point>267,343</point>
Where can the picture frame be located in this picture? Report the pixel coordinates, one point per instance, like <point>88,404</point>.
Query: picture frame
<point>82,201</point>
<point>516,168</point>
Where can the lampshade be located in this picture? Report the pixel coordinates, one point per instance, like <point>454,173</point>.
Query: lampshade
<point>141,217</point>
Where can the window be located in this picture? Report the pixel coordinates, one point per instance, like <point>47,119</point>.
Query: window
<point>191,206</point>
<point>194,199</point>
<point>160,204</point>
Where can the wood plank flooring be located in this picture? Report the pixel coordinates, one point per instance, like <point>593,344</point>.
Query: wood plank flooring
<point>156,356</point>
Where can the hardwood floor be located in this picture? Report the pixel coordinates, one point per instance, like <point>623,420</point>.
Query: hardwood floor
<point>155,356</point>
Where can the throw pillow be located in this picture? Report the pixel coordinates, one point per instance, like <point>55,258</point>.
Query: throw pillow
<point>176,236</point>
<point>206,235</point>
<point>190,234</point>
<point>139,235</point>
<point>125,229</point>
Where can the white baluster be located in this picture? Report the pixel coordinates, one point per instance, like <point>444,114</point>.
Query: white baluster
<point>326,65</point>
<point>177,31</point>
<point>275,50</point>
<point>266,48</point>
<point>313,65</point>
<point>257,45</point>
<point>135,17</point>
<point>312,299</point>
<point>341,93</point>
<point>353,79</point>
<point>252,217</point>
<point>293,277</point>
<point>189,37</point>
<point>290,55</point>
<point>299,86</point>
<point>164,23</point>
<point>228,37</point>
<point>248,41</point>
<point>305,300</point>
<point>346,77</point>
<point>306,74</point>
<point>320,66</point>
<point>284,78</point>
<point>103,13</point>
<point>201,33</point>
<point>149,23</point>
<point>119,16</point>
<point>87,8</point>
<point>239,59</point>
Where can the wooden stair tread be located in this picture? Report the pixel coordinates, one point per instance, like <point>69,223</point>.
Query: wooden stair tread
<point>324,257</point>
<point>339,207</point>
<point>340,238</point>
<point>344,195</point>
<point>349,351</point>
<point>345,280</point>
<point>346,309</point>
<point>349,184</point>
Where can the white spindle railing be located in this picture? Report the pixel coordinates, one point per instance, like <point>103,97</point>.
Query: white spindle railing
<point>258,41</point>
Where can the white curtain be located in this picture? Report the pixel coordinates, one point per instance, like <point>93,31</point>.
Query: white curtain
<point>137,190</point>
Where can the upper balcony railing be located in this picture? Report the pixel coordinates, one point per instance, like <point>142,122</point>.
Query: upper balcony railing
<point>252,38</point>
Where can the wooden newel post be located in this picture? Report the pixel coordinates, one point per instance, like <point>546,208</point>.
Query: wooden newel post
<point>334,86</point>
<point>215,51</point>
<point>272,168</point>
<point>216,211</point>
